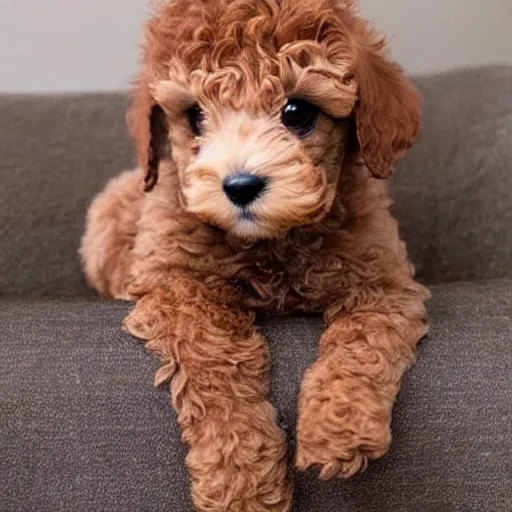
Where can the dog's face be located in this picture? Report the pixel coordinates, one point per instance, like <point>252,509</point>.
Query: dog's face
<point>257,104</point>
<point>254,156</point>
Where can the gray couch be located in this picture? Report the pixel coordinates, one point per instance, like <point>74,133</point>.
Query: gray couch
<point>82,428</point>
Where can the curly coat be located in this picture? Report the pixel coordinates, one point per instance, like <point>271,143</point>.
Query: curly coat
<point>320,239</point>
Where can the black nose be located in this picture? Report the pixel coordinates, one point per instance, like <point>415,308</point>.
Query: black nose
<point>242,189</point>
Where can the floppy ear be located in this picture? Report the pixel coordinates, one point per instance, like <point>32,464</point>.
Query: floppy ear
<point>388,113</point>
<point>147,123</point>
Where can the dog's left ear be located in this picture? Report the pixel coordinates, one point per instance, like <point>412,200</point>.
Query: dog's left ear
<point>147,123</point>
<point>388,113</point>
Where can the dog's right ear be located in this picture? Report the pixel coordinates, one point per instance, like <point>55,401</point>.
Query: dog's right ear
<point>147,123</point>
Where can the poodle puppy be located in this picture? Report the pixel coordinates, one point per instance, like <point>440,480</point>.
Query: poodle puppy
<point>264,130</point>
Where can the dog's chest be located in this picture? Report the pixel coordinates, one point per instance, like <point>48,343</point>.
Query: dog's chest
<point>285,278</point>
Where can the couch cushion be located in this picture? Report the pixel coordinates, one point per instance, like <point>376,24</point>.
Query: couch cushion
<point>453,191</point>
<point>82,429</point>
<point>55,154</point>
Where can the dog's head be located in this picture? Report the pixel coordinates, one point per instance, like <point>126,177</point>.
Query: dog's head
<point>258,102</point>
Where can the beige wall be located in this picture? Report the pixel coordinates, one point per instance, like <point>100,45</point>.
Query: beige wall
<point>50,45</point>
<point>432,35</point>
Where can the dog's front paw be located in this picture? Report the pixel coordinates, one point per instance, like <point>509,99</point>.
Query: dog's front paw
<point>152,321</point>
<point>149,318</point>
<point>139,325</point>
<point>344,421</point>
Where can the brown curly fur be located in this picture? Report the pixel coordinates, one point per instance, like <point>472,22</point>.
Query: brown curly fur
<point>320,239</point>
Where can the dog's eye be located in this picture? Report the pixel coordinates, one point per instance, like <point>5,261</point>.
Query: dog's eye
<point>195,118</point>
<point>299,117</point>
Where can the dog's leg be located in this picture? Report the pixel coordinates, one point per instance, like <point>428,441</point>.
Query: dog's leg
<point>106,248</point>
<point>237,457</point>
<point>348,395</point>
